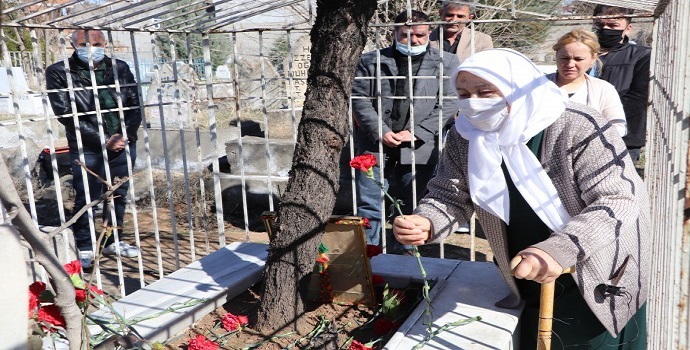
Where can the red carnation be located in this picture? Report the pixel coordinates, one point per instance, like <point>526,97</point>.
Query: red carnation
<point>81,293</point>
<point>51,314</point>
<point>38,291</point>
<point>201,343</point>
<point>363,162</point>
<point>373,250</point>
<point>365,223</point>
<point>37,288</point>
<point>384,326</point>
<point>234,322</point>
<point>33,304</point>
<point>355,345</point>
<point>73,267</point>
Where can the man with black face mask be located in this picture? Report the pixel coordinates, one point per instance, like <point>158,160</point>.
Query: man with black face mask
<point>404,120</point>
<point>625,66</point>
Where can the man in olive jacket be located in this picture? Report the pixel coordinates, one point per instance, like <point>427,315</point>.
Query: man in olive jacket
<point>80,116</point>
<point>408,125</point>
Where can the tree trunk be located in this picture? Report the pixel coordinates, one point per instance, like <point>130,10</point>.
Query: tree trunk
<point>338,38</point>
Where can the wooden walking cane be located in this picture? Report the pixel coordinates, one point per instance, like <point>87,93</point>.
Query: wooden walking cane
<point>545,308</point>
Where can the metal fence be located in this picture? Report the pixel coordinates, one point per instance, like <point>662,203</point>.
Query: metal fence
<point>666,176</point>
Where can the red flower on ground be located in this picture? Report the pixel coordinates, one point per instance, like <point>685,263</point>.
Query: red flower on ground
<point>73,267</point>
<point>33,304</point>
<point>384,326</point>
<point>51,314</point>
<point>81,293</point>
<point>234,322</point>
<point>355,345</point>
<point>373,250</point>
<point>363,162</point>
<point>201,343</point>
<point>377,279</point>
<point>37,288</point>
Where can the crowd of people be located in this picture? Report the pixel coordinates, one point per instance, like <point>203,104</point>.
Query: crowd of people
<point>546,162</point>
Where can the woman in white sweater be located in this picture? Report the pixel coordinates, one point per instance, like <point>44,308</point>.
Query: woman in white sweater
<point>576,53</point>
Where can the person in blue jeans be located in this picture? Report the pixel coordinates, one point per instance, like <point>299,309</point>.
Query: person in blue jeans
<point>118,129</point>
<point>409,67</point>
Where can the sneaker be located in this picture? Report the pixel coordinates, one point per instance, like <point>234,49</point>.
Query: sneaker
<point>86,259</point>
<point>122,249</point>
<point>464,228</point>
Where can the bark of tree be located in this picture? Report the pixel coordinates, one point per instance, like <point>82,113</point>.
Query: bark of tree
<point>338,37</point>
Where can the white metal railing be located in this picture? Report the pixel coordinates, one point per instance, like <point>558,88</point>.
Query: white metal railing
<point>666,176</point>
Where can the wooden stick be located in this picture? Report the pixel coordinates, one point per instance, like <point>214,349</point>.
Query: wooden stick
<point>546,297</point>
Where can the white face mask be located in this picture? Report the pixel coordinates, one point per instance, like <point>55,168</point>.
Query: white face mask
<point>410,50</point>
<point>97,54</point>
<point>485,114</point>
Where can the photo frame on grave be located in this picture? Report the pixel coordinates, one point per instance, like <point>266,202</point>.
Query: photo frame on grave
<point>347,279</point>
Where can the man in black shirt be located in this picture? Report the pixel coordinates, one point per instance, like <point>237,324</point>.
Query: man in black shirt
<point>626,67</point>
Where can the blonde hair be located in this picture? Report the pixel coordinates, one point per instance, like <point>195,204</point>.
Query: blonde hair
<point>583,36</point>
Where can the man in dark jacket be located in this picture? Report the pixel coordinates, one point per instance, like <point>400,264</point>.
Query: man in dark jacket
<point>408,115</point>
<point>94,126</point>
<point>626,67</point>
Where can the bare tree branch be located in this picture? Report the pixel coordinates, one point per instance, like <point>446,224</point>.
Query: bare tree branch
<point>60,280</point>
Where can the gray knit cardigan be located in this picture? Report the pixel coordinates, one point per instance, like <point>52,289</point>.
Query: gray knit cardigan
<point>607,239</point>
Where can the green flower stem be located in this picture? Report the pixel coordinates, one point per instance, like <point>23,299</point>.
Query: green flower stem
<point>426,288</point>
<point>445,327</point>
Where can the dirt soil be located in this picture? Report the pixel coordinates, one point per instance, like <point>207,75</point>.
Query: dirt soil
<point>322,326</point>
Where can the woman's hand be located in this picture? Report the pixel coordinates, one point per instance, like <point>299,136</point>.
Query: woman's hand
<point>412,229</point>
<point>536,265</point>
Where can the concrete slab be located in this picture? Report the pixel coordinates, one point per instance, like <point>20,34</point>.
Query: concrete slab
<point>210,281</point>
<point>470,290</point>
<point>463,289</point>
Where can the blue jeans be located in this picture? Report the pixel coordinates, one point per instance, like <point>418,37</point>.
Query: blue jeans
<point>398,182</point>
<point>118,168</point>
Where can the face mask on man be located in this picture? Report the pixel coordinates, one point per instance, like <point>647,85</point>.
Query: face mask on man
<point>410,50</point>
<point>485,114</point>
<point>97,54</point>
<point>609,38</point>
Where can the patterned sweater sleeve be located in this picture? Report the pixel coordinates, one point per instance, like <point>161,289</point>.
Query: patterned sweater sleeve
<point>597,182</point>
<point>447,203</point>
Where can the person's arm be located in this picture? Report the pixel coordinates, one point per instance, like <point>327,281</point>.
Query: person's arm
<point>427,127</point>
<point>60,102</point>
<point>608,187</point>
<point>447,203</point>
<point>363,111</point>
<point>635,98</point>
<point>611,107</point>
<point>130,99</point>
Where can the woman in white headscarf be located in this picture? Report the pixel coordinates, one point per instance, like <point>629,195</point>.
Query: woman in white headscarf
<point>549,183</point>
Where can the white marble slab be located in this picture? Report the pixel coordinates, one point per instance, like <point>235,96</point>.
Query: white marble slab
<point>211,281</point>
<point>470,290</point>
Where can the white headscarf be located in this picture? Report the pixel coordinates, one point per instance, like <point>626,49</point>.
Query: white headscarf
<point>535,103</point>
